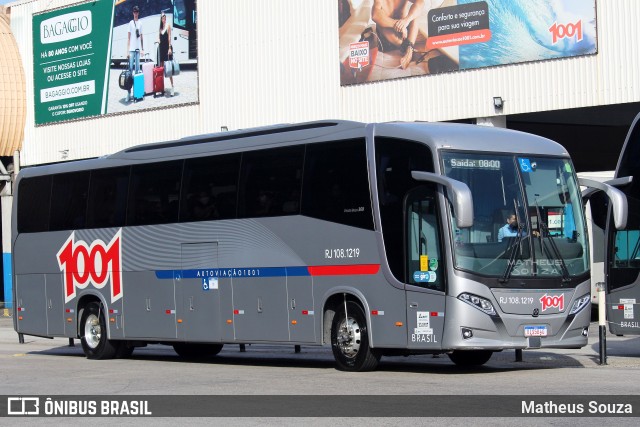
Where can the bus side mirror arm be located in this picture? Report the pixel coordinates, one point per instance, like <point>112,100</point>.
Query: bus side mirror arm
<point>617,197</point>
<point>617,182</point>
<point>458,194</point>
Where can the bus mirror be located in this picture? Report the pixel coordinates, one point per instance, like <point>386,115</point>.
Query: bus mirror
<point>617,197</point>
<point>458,194</point>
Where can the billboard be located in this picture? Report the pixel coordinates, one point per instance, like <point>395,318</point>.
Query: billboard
<point>80,52</point>
<point>389,39</point>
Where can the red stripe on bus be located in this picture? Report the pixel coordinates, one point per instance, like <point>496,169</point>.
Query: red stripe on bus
<point>343,270</point>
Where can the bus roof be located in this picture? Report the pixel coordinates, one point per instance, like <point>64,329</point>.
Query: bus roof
<point>436,135</point>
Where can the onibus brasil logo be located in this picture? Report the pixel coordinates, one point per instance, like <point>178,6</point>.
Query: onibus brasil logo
<point>96,264</point>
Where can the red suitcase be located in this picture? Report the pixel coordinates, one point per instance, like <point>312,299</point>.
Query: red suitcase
<point>158,77</point>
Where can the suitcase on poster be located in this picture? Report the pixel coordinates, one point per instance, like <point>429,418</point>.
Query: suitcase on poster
<point>158,77</point>
<point>138,87</point>
<point>158,81</point>
<point>147,70</point>
<point>125,81</point>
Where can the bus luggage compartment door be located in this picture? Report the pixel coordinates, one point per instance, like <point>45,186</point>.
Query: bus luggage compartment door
<point>198,295</point>
<point>30,307</point>
<point>260,309</point>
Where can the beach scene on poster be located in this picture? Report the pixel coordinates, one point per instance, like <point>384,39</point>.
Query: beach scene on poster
<point>389,39</point>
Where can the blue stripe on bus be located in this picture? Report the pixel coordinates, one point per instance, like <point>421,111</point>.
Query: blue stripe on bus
<point>245,272</point>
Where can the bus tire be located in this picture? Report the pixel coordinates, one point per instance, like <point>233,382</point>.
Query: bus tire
<point>188,350</point>
<point>470,357</point>
<point>93,334</point>
<point>351,345</point>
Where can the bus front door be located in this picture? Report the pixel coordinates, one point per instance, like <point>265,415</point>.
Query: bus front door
<point>623,299</point>
<point>424,271</point>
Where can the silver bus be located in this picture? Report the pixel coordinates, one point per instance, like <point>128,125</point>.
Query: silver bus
<point>622,251</point>
<point>375,239</point>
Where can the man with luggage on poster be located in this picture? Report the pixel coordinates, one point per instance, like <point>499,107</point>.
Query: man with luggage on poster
<point>135,45</point>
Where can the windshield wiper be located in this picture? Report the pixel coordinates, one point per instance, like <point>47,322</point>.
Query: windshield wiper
<point>513,249</point>
<point>512,257</point>
<point>544,232</point>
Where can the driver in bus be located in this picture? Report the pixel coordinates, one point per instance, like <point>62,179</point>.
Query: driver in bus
<point>510,229</point>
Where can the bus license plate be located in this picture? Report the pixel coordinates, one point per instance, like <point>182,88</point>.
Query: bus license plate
<point>535,331</point>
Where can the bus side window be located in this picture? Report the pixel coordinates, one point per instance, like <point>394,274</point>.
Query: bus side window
<point>108,197</point>
<point>69,201</point>
<point>271,182</point>
<point>34,204</point>
<point>210,188</point>
<point>155,193</point>
<point>336,183</point>
<point>423,246</point>
<point>395,160</point>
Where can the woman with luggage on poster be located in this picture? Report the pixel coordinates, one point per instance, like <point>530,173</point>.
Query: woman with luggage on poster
<point>166,50</point>
<point>135,45</point>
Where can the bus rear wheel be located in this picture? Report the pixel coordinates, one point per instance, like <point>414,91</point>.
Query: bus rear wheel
<point>350,340</point>
<point>470,357</point>
<point>196,350</point>
<point>93,334</point>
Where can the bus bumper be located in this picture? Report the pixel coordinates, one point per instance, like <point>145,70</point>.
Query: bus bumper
<point>468,328</point>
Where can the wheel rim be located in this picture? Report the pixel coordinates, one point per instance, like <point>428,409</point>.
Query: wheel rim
<point>92,331</point>
<point>349,338</point>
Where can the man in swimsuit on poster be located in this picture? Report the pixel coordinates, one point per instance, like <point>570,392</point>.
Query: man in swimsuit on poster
<point>396,25</point>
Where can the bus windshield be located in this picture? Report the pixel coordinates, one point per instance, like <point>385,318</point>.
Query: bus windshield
<point>525,223</point>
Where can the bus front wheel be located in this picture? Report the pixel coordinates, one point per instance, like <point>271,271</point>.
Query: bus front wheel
<point>93,334</point>
<point>350,340</point>
<point>470,357</point>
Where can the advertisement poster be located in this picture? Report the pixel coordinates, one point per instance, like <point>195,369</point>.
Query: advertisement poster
<point>389,39</point>
<point>81,51</point>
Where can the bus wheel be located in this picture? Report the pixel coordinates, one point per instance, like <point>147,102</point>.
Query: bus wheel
<point>196,351</point>
<point>93,334</point>
<point>350,341</point>
<point>470,357</point>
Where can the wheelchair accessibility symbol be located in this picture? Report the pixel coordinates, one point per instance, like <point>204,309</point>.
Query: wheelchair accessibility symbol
<point>209,283</point>
<point>525,165</point>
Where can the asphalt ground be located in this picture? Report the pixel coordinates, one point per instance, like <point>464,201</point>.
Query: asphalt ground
<point>51,367</point>
<point>621,351</point>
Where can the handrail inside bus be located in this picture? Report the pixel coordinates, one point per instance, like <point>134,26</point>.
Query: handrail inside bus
<point>617,197</point>
<point>458,194</point>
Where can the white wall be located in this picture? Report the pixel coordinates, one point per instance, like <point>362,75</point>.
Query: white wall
<point>272,61</point>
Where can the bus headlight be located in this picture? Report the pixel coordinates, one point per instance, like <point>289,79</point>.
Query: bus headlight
<point>580,303</point>
<point>480,303</point>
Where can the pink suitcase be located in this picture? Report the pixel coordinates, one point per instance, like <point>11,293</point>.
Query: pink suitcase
<point>147,70</point>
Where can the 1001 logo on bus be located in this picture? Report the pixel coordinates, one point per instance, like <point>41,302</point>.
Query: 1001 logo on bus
<point>96,264</point>
<point>551,301</point>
